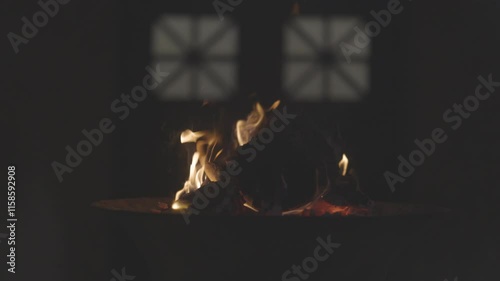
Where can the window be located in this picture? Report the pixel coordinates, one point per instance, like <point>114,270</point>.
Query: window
<point>200,53</point>
<point>315,66</point>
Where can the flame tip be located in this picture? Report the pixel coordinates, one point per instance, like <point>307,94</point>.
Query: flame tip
<point>343,164</point>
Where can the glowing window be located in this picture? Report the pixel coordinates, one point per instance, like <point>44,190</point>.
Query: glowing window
<point>316,68</point>
<point>200,55</point>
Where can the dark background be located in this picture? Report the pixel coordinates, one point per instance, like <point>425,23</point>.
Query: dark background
<point>65,78</point>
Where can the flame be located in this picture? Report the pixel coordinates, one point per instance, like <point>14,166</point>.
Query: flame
<point>274,105</point>
<point>246,129</point>
<point>177,206</point>
<point>201,167</point>
<point>250,207</point>
<point>190,136</point>
<point>205,144</point>
<point>343,164</point>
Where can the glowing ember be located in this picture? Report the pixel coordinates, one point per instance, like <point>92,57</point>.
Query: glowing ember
<point>321,208</point>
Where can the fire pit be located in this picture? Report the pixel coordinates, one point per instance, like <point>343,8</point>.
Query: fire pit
<point>258,199</point>
<point>249,247</point>
<point>153,205</point>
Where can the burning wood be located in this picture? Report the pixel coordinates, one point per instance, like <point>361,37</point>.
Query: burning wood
<point>287,167</point>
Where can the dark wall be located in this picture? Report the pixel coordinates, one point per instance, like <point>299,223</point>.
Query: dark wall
<point>451,48</point>
<point>61,82</point>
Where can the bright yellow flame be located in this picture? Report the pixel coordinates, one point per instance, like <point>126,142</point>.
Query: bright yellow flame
<point>343,164</point>
<point>205,142</point>
<point>250,207</point>
<point>176,206</point>
<point>190,136</point>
